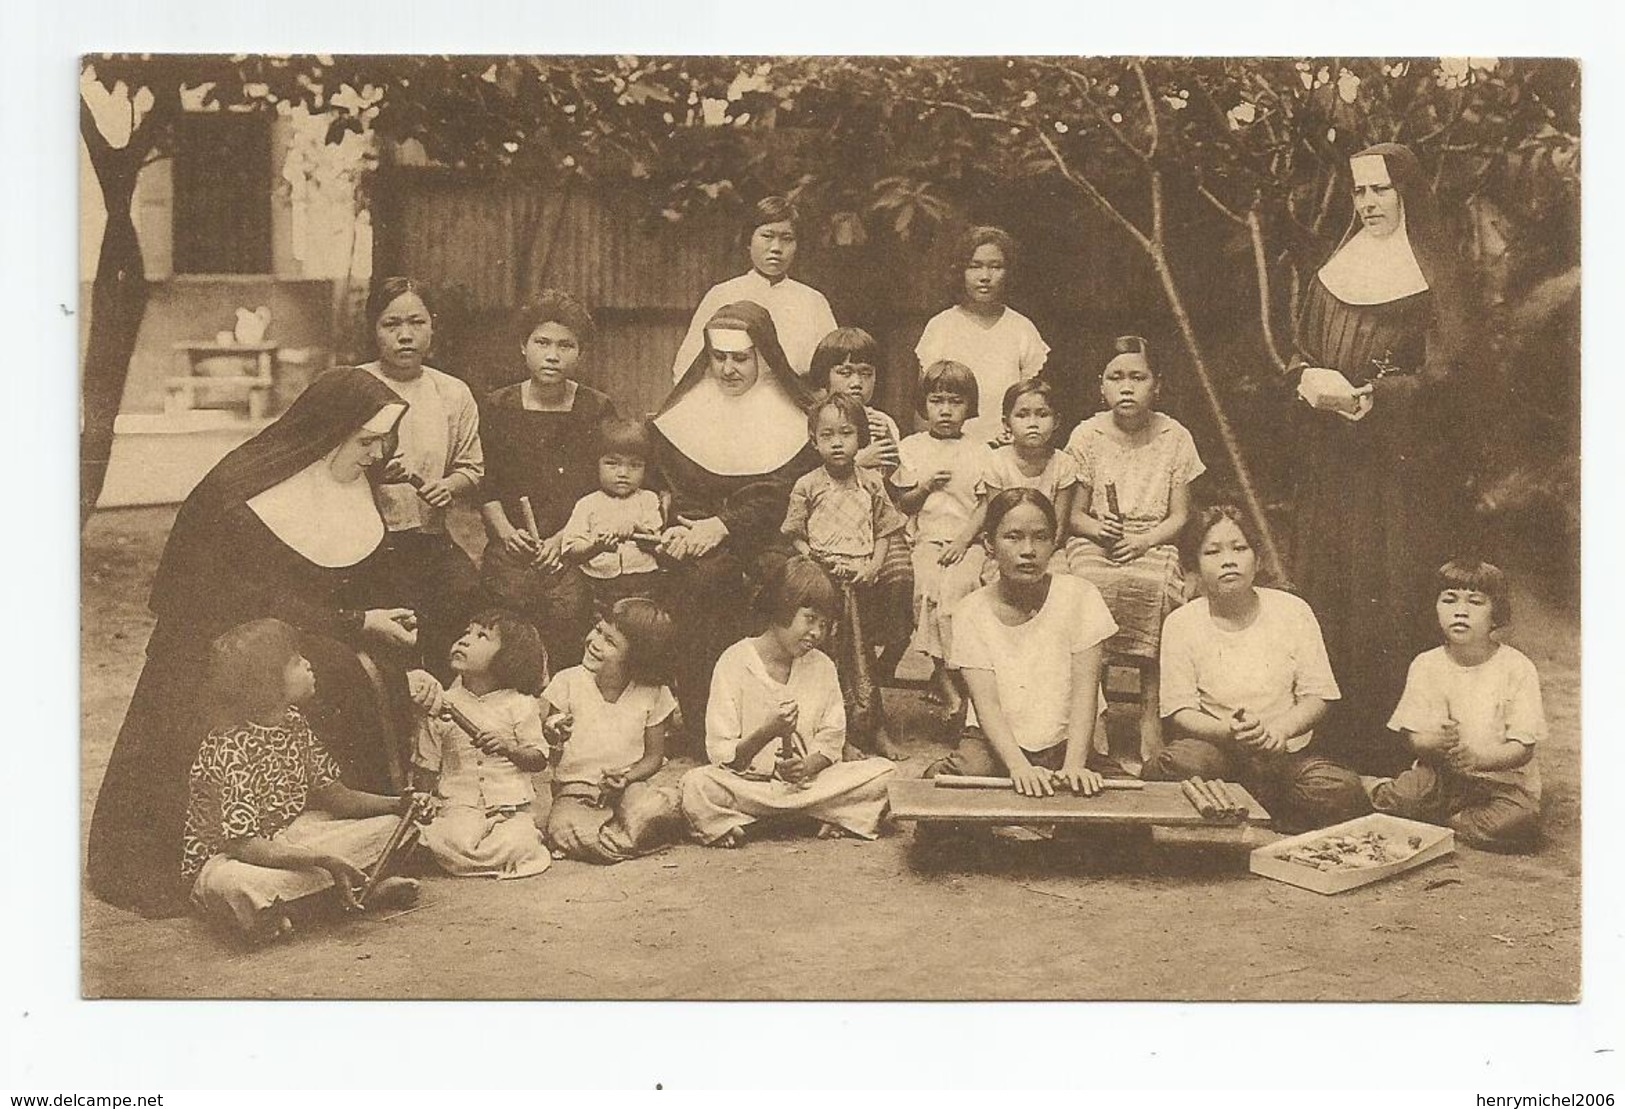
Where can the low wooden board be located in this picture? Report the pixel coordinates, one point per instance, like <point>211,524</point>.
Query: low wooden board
<point>1158,803</point>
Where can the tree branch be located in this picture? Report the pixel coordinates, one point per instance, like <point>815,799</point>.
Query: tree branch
<point>1225,210</point>
<point>1079,83</point>
<point>1261,265</point>
<point>1150,108</point>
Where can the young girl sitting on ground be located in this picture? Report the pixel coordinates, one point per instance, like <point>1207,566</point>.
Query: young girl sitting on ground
<point>1028,646</point>
<point>1244,682</point>
<point>268,822</point>
<point>612,531</point>
<point>1472,712</point>
<point>841,516</point>
<point>848,361</point>
<point>484,824</point>
<point>775,726</point>
<point>1135,466</point>
<point>936,486</point>
<point>610,715</point>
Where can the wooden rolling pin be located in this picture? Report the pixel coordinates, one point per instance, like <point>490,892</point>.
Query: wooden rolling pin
<point>971,781</point>
<point>413,807</point>
<point>529,514</point>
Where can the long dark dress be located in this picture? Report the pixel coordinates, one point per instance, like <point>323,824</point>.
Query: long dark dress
<point>222,566</point>
<point>1376,506</point>
<point>243,572</point>
<point>710,595</point>
<point>550,457</point>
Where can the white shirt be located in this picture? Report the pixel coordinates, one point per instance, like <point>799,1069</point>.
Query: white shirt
<point>1497,700</point>
<point>801,316</point>
<point>598,511</point>
<point>744,696</point>
<point>945,511</point>
<point>469,776</point>
<point>605,735</point>
<point>1003,471</point>
<point>438,436</point>
<point>1009,351</point>
<point>1032,661</point>
<point>1264,668</point>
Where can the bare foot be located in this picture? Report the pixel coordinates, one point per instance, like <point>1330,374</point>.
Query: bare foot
<point>834,831</point>
<point>881,744</point>
<point>271,925</point>
<point>733,837</point>
<point>393,893</point>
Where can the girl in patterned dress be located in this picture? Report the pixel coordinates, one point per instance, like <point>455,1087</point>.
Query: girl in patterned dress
<point>841,516</point>
<point>268,821</point>
<point>1135,466</point>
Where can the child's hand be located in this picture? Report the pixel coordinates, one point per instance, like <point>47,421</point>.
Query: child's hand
<point>1462,758</point>
<point>557,728</point>
<point>1250,732</point>
<point>437,493</point>
<point>1033,781</point>
<point>1437,743</point>
<point>798,769</point>
<point>864,574</point>
<point>549,553</point>
<point>605,540</point>
<point>1129,548</point>
<point>953,552</point>
<point>428,806</point>
<point>939,480</point>
<point>426,691</point>
<point>1108,531</point>
<point>1079,779</point>
<point>615,781</point>
<point>492,744</point>
<point>395,471</point>
<point>784,721</point>
<point>347,879</point>
<point>880,454</point>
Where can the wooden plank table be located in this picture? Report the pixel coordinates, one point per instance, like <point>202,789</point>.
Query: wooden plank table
<point>1158,803</point>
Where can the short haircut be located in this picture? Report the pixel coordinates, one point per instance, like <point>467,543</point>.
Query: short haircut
<point>556,306</point>
<point>965,249</point>
<point>521,660</point>
<point>794,584</point>
<point>773,209</point>
<point>649,633</point>
<point>847,405</point>
<point>247,672</point>
<point>1006,501</point>
<point>844,344</point>
<point>624,435</point>
<point>1480,577</point>
<point>383,294</point>
<point>1024,387</point>
<point>1202,521</point>
<point>948,376</point>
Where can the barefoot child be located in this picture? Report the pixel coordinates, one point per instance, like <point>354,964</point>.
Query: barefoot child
<point>841,516</point>
<point>775,726</point>
<point>610,715</point>
<point>1244,682</point>
<point>936,486</point>
<point>1028,646</point>
<point>484,825</point>
<point>1135,466</point>
<point>847,361</point>
<point>269,823</point>
<point>1472,712</point>
<point>613,530</point>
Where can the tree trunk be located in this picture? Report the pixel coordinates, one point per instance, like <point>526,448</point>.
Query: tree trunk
<point>118,300</point>
<point>1273,565</point>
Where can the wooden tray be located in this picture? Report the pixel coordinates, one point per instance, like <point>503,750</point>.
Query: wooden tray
<point>1436,843</point>
<point>1158,803</point>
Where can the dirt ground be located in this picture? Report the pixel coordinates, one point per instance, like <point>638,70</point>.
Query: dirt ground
<point>793,917</point>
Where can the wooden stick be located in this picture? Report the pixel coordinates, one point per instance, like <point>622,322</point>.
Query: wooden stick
<point>1232,800</point>
<point>1201,804</point>
<point>1207,791</point>
<point>1111,501</point>
<point>530,519</point>
<point>972,781</point>
<point>397,839</point>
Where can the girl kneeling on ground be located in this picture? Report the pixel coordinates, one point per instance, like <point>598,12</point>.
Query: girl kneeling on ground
<point>1245,680</point>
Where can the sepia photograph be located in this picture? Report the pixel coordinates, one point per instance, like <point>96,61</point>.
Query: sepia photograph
<point>649,527</point>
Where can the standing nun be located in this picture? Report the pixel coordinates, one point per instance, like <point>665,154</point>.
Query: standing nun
<point>1378,479</point>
